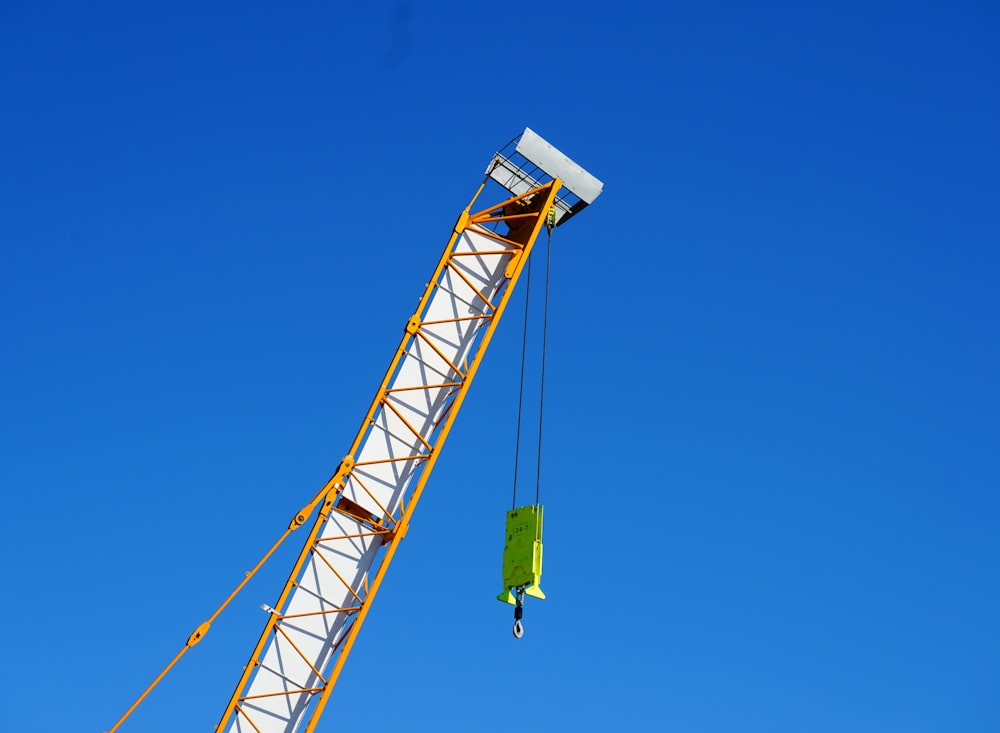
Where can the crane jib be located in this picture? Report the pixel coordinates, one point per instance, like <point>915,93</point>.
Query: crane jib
<point>312,627</point>
<point>357,518</point>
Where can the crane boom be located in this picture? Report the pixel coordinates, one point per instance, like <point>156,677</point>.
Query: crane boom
<point>364,509</point>
<point>367,504</point>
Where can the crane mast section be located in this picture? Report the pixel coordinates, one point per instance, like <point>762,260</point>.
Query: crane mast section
<point>372,495</point>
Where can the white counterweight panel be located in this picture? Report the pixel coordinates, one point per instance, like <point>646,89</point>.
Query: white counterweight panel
<point>391,454</point>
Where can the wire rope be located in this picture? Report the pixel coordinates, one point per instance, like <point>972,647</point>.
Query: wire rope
<point>541,394</point>
<point>520,395</point>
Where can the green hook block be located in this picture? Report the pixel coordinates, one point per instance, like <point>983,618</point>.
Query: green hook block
<point>522,553</point>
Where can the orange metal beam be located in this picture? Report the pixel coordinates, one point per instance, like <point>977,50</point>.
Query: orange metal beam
<point>542,200</point>
<point>444,429</point>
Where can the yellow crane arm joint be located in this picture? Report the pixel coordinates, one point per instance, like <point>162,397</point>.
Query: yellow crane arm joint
<point>333,486</point>
<point>198,634</point>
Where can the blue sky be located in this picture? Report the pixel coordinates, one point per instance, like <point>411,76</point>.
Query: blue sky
<point>772,414</point>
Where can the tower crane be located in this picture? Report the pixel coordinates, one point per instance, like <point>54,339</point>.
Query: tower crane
<point>354,523</point>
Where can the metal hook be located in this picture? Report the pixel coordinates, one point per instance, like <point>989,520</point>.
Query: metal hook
<point>518,612</point>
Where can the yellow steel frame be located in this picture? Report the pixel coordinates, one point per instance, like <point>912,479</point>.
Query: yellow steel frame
<point>532,209</point>
<point>525,215</point>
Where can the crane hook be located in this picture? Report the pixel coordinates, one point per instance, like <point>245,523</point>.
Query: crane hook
<point>518,612</point>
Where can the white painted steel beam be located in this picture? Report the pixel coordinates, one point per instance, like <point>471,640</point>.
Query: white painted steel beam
<point>334,578</point>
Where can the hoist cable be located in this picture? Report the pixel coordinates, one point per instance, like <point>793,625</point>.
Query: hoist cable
<point>541,395</point>
<point>520,395</point>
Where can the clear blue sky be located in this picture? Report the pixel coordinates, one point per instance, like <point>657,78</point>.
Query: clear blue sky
<point>773,416</point>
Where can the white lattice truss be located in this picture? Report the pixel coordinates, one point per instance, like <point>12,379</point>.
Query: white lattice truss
<point>370,498</point>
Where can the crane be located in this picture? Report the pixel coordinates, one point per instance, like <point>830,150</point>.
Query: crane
<point>354,523</point>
